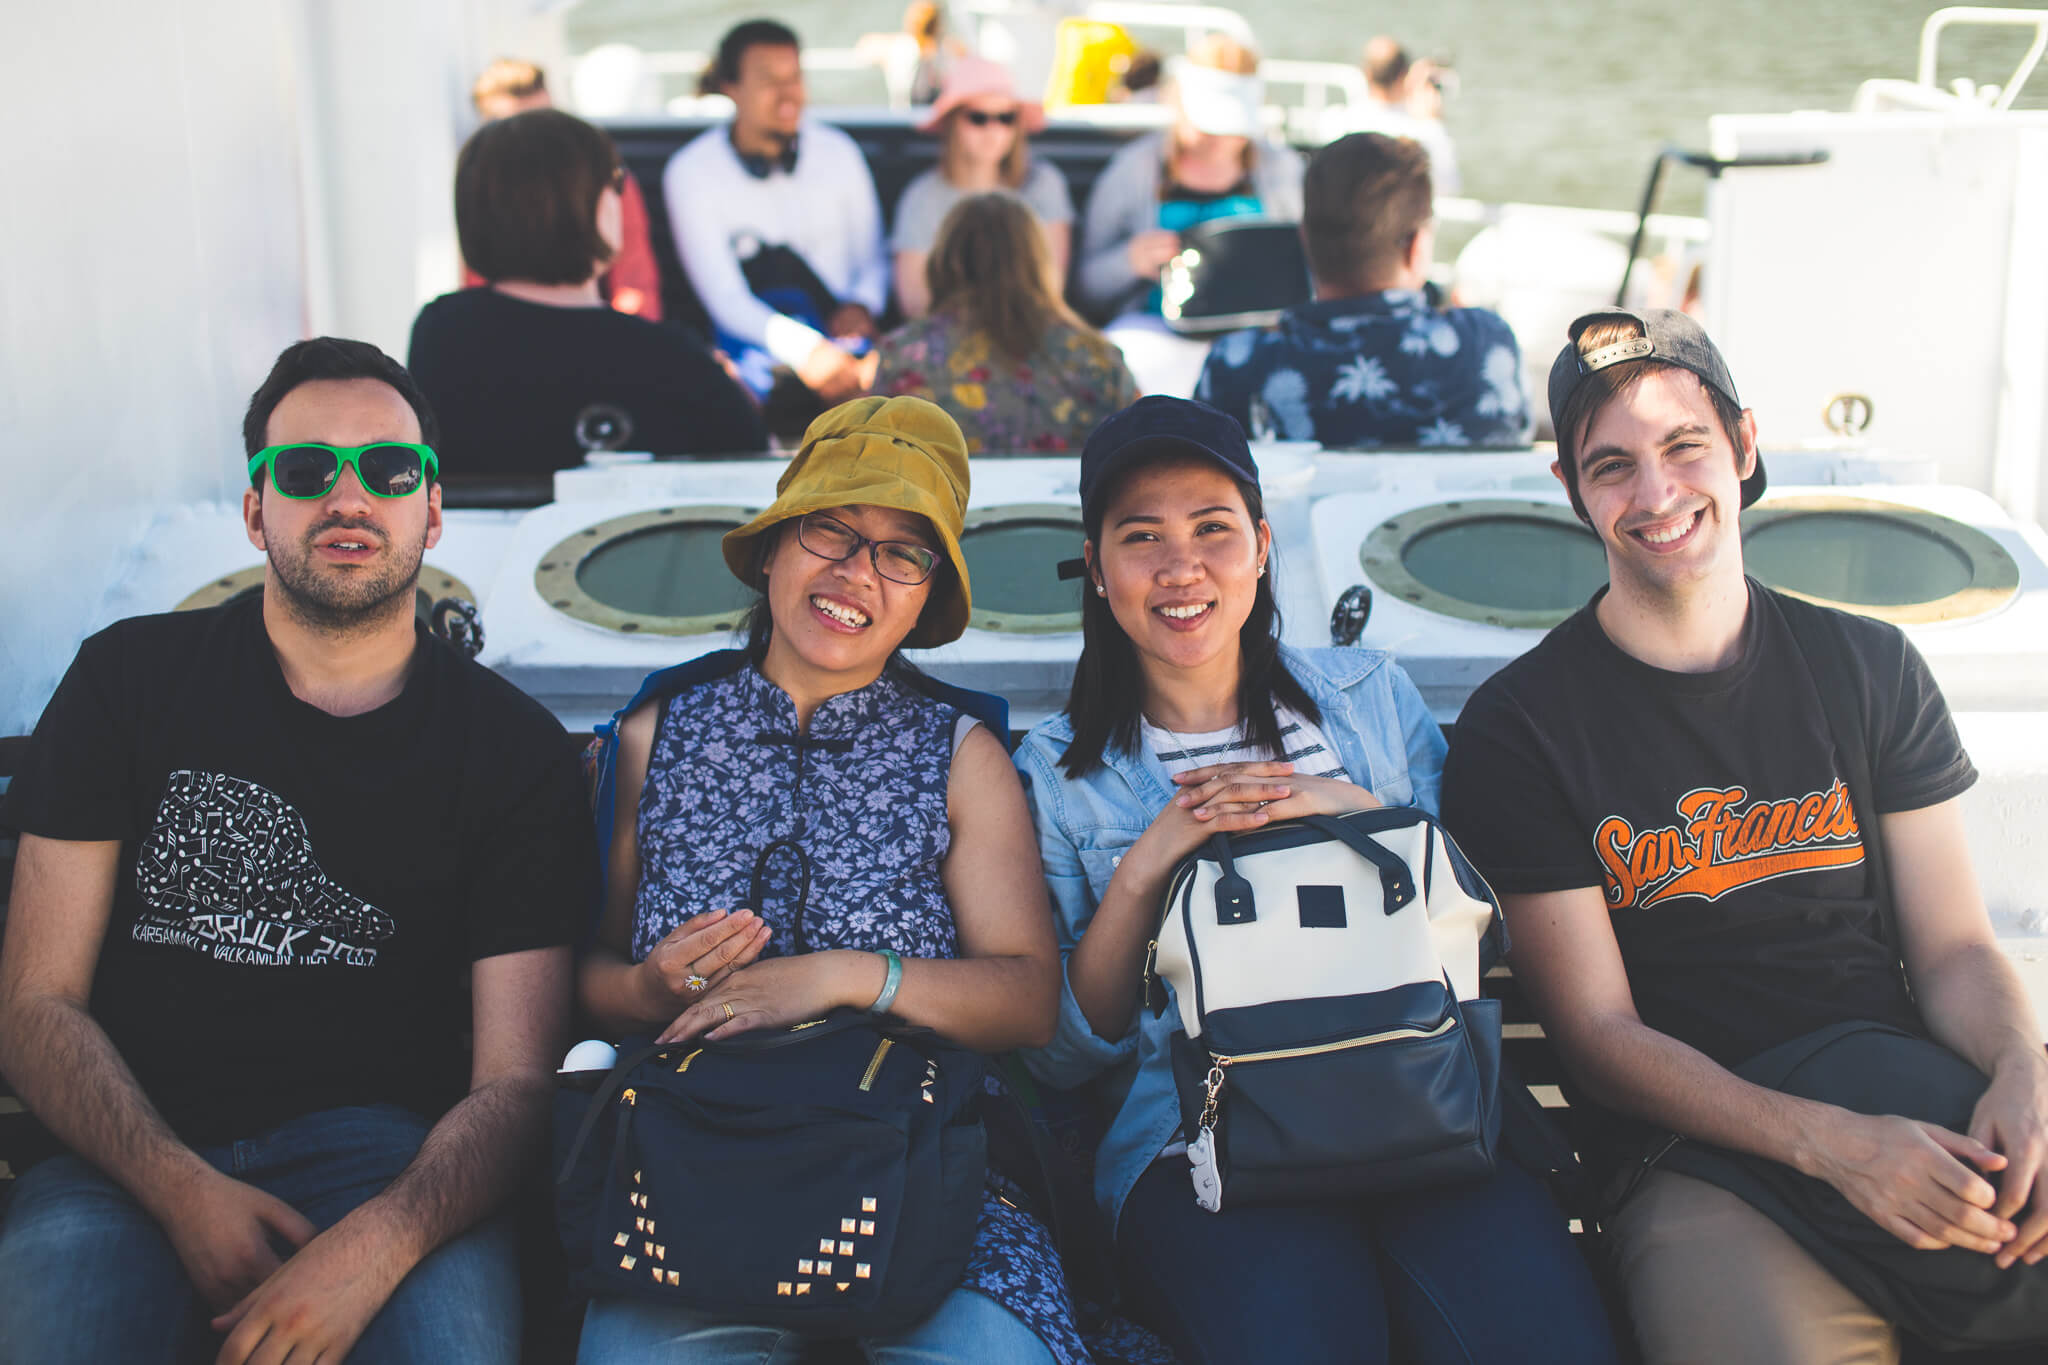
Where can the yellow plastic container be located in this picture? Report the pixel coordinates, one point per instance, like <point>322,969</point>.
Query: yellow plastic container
<point>1087,55</point>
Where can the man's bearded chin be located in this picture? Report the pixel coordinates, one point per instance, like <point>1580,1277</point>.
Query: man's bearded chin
<point>336,603</point>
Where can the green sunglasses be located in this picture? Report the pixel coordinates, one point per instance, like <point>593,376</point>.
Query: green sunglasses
<point>306,469</point>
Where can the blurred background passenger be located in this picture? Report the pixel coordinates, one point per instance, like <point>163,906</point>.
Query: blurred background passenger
<point>533,370</point>
<point>1138,82</point>
<point>1215,161</point>
<point>1370,362</point>
<point>1000,351</point>
<point>984,144</point>
<point>1407,100</point>
<point>914,59</point>
<point>632,282</point>
<point>777,224</point>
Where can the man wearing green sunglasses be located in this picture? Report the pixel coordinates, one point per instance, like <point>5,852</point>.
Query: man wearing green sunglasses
<point>262,846</point>
<point>344,500</point>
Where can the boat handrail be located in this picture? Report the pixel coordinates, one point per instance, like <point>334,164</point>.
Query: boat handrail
<point>1193,20</point>
<point>688,62</point>
<point>1324,86</point>
<point>1942,20</point>
<point>1675,229</point>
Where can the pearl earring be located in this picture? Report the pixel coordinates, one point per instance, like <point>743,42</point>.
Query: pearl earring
<point>1101,591</point>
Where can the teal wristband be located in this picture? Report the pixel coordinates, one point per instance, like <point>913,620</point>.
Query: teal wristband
<point>890,983</point>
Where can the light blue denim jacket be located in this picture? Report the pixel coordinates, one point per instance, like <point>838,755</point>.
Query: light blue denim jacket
<point>1375,720</point>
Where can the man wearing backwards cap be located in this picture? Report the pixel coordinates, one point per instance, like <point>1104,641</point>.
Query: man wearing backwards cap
<point>1655,792</point>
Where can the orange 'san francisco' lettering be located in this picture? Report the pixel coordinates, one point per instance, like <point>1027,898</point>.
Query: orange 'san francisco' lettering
<point>1721,845</point>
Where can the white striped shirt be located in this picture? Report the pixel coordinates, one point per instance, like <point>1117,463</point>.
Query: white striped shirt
<point>1303,742</point>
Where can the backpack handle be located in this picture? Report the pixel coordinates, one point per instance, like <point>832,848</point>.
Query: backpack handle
<point>1397,883</point>
<point>1234,893</point>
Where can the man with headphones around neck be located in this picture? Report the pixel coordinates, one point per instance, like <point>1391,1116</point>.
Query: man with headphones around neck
<point>777,223</point>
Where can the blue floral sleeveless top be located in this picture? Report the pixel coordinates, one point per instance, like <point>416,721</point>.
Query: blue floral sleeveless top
<point>863,794</point>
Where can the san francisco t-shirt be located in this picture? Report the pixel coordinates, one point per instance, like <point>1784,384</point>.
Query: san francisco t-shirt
<point>300,895</point>
<point>1711,810</point>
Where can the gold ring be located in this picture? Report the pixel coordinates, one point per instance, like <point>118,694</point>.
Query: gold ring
<point>726,1005</point>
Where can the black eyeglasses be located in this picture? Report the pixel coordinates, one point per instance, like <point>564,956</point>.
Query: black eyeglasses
<point>899,561</point>
<point>982,118</point>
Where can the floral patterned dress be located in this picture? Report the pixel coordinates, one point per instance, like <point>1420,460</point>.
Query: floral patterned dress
<point>1047,404</point>
<point>863,793</point>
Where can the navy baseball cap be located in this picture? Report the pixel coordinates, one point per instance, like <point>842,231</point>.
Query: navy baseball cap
<point>1159,425</point>
<point>1667,336</point>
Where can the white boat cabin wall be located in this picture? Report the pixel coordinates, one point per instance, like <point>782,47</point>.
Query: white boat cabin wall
<point>271,171</point>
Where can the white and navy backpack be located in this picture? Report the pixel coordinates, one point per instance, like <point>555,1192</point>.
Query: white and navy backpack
<point>1332,1037</point>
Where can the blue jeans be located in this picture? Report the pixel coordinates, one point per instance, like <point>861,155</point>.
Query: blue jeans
<point>967,1328</point>
<point>1470,1275</point>
<point>87,1275</point>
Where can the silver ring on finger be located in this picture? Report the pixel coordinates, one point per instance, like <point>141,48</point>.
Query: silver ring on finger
<point>1262,805</point>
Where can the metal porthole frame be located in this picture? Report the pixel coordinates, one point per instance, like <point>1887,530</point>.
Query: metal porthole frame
<point>555,577</point>
<point>1019,622</point>
<point>435,583</point>
<point>1994,574</point>
<point>1380,557</point>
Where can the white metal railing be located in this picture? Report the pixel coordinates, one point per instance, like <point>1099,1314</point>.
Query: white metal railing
<point>1193,21</point>
<point>1675,231</point>
<point>676,63</point>
<point>836,61</point>
<point>1942,20</point>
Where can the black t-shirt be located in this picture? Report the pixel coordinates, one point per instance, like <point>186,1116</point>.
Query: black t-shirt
<point>1711,809</point>
<point>512,382</point>
<point>300,895</point>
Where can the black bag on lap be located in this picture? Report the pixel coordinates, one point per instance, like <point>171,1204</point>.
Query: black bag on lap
<point>1952,1299</point>
<point>825,1178</point>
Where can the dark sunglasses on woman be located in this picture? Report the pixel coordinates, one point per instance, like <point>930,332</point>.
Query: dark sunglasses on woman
<point>982,118</point>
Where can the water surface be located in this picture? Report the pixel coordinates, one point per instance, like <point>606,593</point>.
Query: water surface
<point>1562,104</point>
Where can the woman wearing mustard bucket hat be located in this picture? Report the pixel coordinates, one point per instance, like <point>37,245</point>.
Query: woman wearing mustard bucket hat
<point>809,823</point>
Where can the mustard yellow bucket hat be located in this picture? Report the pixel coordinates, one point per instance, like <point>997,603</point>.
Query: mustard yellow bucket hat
<point>903,453</point>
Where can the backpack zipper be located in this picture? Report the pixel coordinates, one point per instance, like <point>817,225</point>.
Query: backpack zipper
<point>867,1081</point>
<point>1314,1049</point>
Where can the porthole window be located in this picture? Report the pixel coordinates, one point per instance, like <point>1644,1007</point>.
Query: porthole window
<point>1013,556</point>
<point>1882,559</point>
<point>660,572</point>
<point>1512,562</point>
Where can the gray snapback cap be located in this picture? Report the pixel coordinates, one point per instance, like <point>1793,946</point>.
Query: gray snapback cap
<point>1670,337</point>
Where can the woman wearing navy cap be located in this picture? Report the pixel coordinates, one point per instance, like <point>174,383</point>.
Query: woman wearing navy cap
<point>1188,716</point>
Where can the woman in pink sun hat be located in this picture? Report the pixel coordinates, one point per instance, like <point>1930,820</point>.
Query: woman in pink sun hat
<point>984,133</point>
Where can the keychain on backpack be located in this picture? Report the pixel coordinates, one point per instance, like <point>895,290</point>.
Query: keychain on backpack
<point>1208,1180</point>
<point>1207,1176</point>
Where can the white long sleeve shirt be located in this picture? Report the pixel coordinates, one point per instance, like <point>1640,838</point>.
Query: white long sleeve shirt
<point>825,211</point>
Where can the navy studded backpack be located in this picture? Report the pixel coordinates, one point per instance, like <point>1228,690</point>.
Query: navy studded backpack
<point>825,1178</point>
